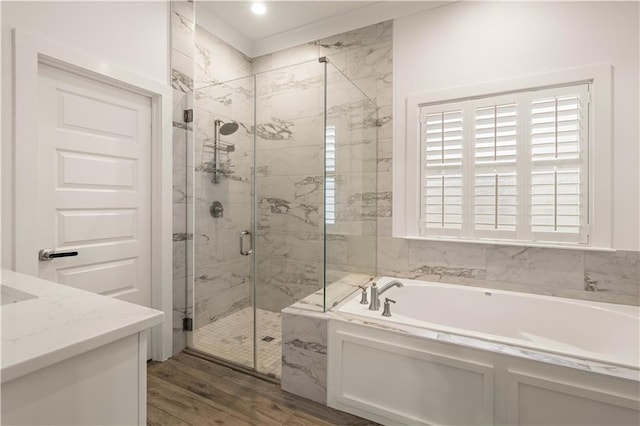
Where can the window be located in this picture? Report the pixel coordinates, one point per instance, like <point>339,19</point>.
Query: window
<point>522,161</point>
<point>507,167</point>
<point>330,180</point>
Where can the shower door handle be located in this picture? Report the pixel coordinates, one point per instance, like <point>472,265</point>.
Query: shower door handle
<point>242,250</point>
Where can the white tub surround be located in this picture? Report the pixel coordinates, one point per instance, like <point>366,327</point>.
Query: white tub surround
<point>458,355</point>
<point>62,347</point>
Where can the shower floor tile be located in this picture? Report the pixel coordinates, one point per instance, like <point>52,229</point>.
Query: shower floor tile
<point>231,338</point>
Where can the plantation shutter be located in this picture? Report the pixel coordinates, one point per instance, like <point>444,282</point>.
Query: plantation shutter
<point>330,149</point>
<point>495,168</point>
<point>442,143</point>
<point>559,148</point>
<point>507,167</point>
<point>330,170</point>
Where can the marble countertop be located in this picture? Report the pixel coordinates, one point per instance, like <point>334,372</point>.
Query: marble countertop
<point>44,323</point>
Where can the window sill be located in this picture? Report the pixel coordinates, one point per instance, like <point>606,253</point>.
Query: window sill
<point>511,243</point>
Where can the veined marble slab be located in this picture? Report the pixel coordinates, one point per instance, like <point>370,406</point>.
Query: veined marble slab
<point>304,355</point>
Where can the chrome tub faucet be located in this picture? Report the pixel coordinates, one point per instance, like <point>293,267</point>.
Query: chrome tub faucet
<point>376,293</point>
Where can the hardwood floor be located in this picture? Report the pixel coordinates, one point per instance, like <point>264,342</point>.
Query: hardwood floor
<point>189,391</point>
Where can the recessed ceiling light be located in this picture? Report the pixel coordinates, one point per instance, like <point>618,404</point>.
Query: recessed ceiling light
<point>259,8</point>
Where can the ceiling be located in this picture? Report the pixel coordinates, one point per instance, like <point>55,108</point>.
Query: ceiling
<point>291,23</point>
<point>281,16</point>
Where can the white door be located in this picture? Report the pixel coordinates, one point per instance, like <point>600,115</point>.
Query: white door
<point>94,180</point>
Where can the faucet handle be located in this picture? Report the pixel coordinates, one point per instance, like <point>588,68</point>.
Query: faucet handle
<point>363,300</point>
<point>387,307</point>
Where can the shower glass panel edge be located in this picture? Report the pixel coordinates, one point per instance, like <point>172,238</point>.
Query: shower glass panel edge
<point>186,105</point>
<point>254,226</point>
<point>326,190</point>
<point>351,191</point>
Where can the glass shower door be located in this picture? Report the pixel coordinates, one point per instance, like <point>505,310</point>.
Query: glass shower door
<point>284,205</point>
<point>223,221</point>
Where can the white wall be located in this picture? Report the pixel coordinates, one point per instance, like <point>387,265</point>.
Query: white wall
<point>132,35</point>
<point>467,43</point>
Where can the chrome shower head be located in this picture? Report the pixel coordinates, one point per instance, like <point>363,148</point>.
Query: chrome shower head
<point>227,129</point>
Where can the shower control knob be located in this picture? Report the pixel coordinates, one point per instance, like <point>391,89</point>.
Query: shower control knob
<point>216,209</point>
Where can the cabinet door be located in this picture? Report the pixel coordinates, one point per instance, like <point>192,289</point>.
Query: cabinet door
<point>105,386</point>
<point>542,399</point>
<point>397,380</point>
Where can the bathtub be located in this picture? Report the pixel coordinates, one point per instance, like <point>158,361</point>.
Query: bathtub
<point>588,330</point>
<point>499,357</point>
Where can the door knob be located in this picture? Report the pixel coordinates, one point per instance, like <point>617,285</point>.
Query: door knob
<point>49,254</point>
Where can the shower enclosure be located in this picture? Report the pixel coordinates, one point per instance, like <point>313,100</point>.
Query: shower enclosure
<point>283,205</point>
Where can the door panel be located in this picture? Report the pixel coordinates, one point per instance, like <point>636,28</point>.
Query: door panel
<point>94,179</point>
<point>96,115</point>
<point>106,278</point>
<point>96,171</point>
<point>91,227</point>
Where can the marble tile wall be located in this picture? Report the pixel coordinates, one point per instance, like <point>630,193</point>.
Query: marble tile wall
<point>182,42</point>
<point>600,276</point>
<point>224,90</point>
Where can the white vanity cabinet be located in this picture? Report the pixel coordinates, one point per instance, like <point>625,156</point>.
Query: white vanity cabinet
<point>71,357</point>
